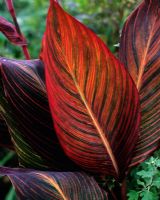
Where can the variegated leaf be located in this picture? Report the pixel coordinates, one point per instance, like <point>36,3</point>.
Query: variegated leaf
<point>94,102</point>
<point>9,30</point>
<point>24,106</point>
<point>140,52</point>
<point>38,185</point>
<point>5,139</point>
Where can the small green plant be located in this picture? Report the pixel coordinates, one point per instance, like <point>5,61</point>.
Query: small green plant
<point>144,180</point>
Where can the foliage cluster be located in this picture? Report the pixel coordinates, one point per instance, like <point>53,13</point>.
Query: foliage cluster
<point>144,180</point>
<point>105,19</point>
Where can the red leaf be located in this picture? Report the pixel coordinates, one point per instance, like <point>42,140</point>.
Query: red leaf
<point>93,100</point>
<point>10,32</point>
<point>10,7</point>
<point>140,52</point>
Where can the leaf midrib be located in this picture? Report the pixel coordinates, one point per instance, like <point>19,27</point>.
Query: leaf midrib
<point>97,125</point>
<point>143,62</point>
<point>53,183</point>
<point>94,119</point>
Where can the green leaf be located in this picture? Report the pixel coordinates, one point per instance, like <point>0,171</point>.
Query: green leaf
<point>11,194</point>
<point>146,174</point>
<point>147,195</point>
<point>6,158</point>
<point>140,183</point>
<point>157,162</point>
<point>133,195</point>
<point>156,182</point>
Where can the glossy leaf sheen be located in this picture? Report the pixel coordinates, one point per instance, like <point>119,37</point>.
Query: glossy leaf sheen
<point>10,32</point>
<point>93,100</point>
<point>38,185</point>
<point>24,106</point>
<point>140,52</point>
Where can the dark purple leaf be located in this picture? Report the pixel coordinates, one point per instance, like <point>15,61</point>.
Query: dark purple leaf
<point>10,32</point>
<point>38,185</point>
<point>140,52</point>
<point>24,106</point>
<point>5,139</point>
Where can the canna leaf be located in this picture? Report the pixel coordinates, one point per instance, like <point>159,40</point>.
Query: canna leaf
<point>140,52</point>
<point>93,100</point>
<point>25,108</point>
<point>5,139</point>
<point>10,32</point>
<point>10,6</point>
<point>38,185</point>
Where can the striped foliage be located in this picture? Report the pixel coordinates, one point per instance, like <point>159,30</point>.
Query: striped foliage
<point>10,32</point>
<point>38,185</point>
<point>24,106</point>
<point>93,100</point>
<point>5,139</point>
<point>140,53</point>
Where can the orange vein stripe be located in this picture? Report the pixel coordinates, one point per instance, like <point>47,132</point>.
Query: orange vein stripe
<point>100,131</point>
<point>143,63</point>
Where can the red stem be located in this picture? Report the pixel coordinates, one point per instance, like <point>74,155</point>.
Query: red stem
<point>26,52</point>
<point>10,7</point>
<point>119,191</point>
<point>113,195</point>
<point>123,190</point>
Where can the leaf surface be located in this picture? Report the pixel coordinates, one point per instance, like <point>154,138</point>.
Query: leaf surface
<point>24,106</point>
<point>140,53</point>
<point>9,30</point>
<point>5,139</point>
<point>93,100</point>
<point>38,185</point>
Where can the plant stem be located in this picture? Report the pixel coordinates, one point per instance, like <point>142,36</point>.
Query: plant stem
<point>26,52</point>
<point>11,9</point>
<point>123,190</point>
<point>119,191</point>
<point>113,195</point>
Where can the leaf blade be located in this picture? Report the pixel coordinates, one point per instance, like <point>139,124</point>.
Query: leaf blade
<point>9,30</point>
<point>81,72</point>
<point>26,111</point>
<point>139,51</point>
<point>5,139</point>
<point>31,184</point>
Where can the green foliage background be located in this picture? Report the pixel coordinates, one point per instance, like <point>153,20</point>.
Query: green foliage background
<point>106,19</point>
